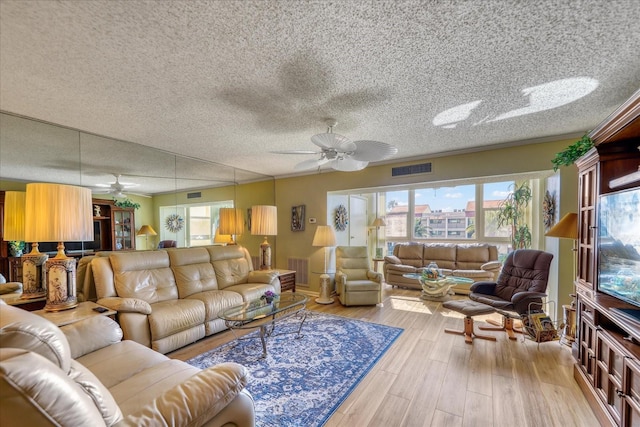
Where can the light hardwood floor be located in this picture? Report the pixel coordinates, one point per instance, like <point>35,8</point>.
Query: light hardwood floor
<point>430,378</point>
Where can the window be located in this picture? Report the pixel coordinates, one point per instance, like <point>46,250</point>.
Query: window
<point>201,222</point>
<point>445,211</point>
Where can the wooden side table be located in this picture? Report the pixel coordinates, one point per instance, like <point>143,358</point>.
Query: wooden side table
<point>375,263</point>
<point>84,310</point>
<point>287,280</point>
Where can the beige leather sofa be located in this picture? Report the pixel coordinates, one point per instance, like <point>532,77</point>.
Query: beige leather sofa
<point>475,261</point>
<point>83,375</point>
<point>169,298</point>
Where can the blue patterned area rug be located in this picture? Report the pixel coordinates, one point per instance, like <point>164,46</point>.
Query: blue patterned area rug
<point>303,381</point>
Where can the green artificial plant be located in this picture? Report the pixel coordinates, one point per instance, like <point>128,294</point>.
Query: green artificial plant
<point>126,203</point>
<point>512,212</point>
<point>572,153</point>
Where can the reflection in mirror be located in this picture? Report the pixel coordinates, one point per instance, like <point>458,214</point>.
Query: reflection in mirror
<point>34,151</point>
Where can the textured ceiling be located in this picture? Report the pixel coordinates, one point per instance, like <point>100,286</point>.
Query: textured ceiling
<point>231,81</point>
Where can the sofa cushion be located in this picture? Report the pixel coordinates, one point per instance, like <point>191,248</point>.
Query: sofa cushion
<point>145,275</point>
<point>472,257</point>
<point>171,317</point>
<point>26,330</point>
<point>193,271</point>
<point>98,393</point>
<point>215,302</point>
<point>410,254</point>
<point>443,254</point>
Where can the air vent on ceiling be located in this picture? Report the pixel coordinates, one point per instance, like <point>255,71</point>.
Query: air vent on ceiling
<point>411,169</point>
<point>196,195</point>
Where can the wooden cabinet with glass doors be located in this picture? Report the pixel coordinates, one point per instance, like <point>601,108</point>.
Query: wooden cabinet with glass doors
<point>114,227</point>
<point>123,229</point>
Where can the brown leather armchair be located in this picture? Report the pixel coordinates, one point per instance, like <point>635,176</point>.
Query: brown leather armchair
<point>520,287</point>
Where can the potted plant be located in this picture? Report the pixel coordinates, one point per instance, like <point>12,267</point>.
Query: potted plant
<point>512,213</point>
<point>16,248</point>
<point>126,203</point>
<point>572,153</point>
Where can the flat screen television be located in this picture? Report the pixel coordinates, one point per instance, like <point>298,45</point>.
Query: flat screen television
<point>619,245</point>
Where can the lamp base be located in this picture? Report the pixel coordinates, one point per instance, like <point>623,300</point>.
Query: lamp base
<point>61,284</point>
<point>325,292</point>
<point>33,274</point>
<point>265,255</point>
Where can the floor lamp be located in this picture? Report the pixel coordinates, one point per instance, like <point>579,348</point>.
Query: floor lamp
<point>324,238</point>
<point>264,222</point>
<point>59,213</point>
<point>33,278</point>
<point>567,228</point>
<point>377,223</point>
<point>146,231</point>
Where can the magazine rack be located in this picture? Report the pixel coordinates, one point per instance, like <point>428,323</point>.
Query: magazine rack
<point>537,324</point>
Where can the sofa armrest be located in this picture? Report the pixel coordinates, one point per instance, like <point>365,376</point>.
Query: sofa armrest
<point>376,277</point>
<point>267,277</point>
<point>10,287</point>
<point>91,334</point>
<point>401,268</point>
<point>483,287</point>
<point>392,259</point>
<point>491,266</point>
<point>195,401</point>
<point>126,305</point>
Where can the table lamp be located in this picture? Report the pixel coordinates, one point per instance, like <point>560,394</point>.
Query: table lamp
<point>146,231</point>
<point>224,239</point>
<point>33,278</point>
<point>264,222</point>
<point>231,223</point>
<point>59,213</point>
<point>567,228</point>
<point>324,237</point>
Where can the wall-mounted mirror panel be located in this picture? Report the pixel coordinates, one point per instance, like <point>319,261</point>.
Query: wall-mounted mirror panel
<point>32,151</point>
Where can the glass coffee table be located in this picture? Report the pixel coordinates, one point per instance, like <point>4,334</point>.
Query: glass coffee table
<point>261,315</point>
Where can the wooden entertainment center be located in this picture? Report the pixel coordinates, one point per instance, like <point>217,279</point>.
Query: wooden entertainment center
<point>607,347</point>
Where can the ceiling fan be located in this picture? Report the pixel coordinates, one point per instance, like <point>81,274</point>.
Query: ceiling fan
<point>117,188</point>
<point>342,154</point>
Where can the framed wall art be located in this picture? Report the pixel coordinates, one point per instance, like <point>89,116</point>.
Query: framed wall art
<point>297,218</point>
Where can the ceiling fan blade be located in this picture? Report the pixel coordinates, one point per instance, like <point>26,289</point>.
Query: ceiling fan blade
<point>310,164</point>
<point>295,152</point>
<point>333,141</point>
<point>370,151</point>
<point>348,164</point>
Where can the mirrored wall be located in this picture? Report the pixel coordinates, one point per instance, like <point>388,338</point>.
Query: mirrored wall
<point>34,151</point>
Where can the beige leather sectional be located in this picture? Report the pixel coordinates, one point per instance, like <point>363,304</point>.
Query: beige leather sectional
<point>475,261</point>
<point>169,298</point>
<point>82,374</point>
